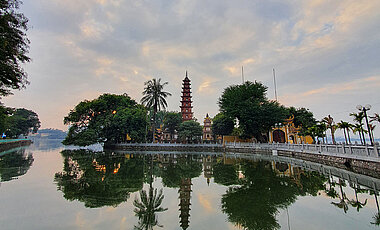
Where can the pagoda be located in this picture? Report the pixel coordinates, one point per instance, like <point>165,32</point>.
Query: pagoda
<point>184,204</point>
<point>186,108</point>
<point>207,129</point>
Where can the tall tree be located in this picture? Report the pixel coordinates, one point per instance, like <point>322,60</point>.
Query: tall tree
<point>107,119</point>
<point>249,105</point>
<point>190,131</point>
<point>303,118</point>
<point>22,122</point>
<point>14,46</point>
<point>172,122</point>
<point>222,124</point>
<point>329,121</point>
<point>346,129</point>
<point>154,97</point>
<point>358,118</point>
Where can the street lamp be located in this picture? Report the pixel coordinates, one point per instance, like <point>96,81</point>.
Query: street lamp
<point>365,109</point>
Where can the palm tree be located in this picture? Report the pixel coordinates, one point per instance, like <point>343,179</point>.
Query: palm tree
<point>356,203</point>
<point>358,117</point>
<point>149,205</point>
<point>357,128</point>
<point>154,98</point>
<point>147,208</point>
<point>345,126</point>
<point>342,204</point>
<point>329,121</point>
<point>376,117</point>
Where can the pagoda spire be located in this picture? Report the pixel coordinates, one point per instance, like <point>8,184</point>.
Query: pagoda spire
<point>186,107</point>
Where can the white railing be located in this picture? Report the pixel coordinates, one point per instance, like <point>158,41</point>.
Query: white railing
<point>329,149</point>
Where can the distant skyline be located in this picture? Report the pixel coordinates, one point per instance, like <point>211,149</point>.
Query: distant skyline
<point>326,53</point>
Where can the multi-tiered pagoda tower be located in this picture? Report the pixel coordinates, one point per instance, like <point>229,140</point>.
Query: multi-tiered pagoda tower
<point>184,204</point>
<point>186,108</point>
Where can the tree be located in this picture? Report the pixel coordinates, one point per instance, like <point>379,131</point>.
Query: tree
<point>249,105</point>
<point>375,117</point>
<point>222,124</point>
<point>107,119</point>
<point>14,46</point>
<point>358,117</point>
<point>303,118</point>
<point>172,122</point>
<point>346,127</point>
<point>22,122</point>
<point>190,131</point>
<point>316,131</point>
<point>154,97</point>
<point>329,121</point>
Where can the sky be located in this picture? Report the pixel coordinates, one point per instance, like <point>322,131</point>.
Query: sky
<point>326,53</point>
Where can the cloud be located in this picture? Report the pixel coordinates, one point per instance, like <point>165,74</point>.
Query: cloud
<point>81,49</point>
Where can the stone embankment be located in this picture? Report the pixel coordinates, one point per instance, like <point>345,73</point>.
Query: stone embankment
<point>13,144</point>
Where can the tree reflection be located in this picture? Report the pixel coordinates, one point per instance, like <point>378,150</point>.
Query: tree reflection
<point>225,174</point>
<point>149,205</point>
<point>255,203</point>
<point>99,179</point>
<point>14,163</point>
<point>342,203</point>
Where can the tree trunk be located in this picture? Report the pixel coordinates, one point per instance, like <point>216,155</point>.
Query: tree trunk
<point>345,136</point>
<point>332,135</point>
<point>363,135</point>
<point>348,134</point>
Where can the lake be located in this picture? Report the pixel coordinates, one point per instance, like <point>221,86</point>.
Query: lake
<point>49,186</point>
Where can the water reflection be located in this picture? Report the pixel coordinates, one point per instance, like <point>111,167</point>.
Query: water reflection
<point>99,180</point>
<point>14,163</point>
<point>256,190</point>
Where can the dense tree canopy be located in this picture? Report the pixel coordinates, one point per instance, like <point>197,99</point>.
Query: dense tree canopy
<point>222,124</point>
<point>22,122</point>
<point>303,118</point>
<point>108,119</point>
<point>172,121</point>
<point>14,46</point>
<point>249,105</point>
<point>190,131</point>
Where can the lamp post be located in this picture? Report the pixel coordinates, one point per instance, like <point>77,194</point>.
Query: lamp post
<point>365,109</point>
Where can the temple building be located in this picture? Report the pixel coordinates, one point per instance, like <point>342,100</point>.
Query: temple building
<point>207,131</point>
<point>288,133</point>
<point>186,108</point>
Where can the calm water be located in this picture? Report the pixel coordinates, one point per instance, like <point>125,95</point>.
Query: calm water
<point>45,186</point>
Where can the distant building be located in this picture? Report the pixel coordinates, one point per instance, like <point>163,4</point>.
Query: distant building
<point>186,107</point>
<point>207,131</point>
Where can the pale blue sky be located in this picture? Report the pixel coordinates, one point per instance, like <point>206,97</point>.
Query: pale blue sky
<point>326,53</point>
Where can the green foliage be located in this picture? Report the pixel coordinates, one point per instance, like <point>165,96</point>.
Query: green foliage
<point>190,131</point>
<point>99,179</point>
<point>155,98</point>
<point>14,46</point>
<point>109,119</point>
<point>172,121</point>
<point>302,118</point>
<point>249,105</point>
<point>222,124</point>
<point>316,131</point>
<point>22,122</point>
